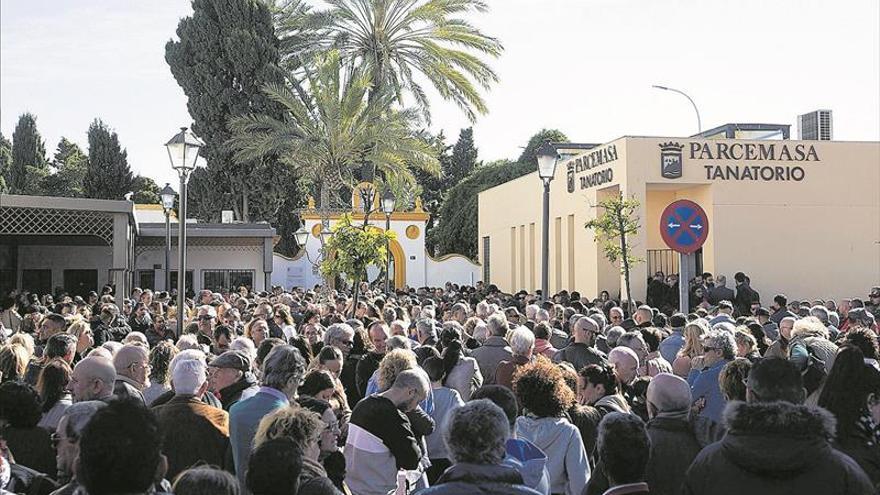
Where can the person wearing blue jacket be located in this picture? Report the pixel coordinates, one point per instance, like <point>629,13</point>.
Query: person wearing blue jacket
<point>719,348</point>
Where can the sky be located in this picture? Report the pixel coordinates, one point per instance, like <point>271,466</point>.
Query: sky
<point>584,67</point>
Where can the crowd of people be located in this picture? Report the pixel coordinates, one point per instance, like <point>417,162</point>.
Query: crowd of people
<point>452,390</point>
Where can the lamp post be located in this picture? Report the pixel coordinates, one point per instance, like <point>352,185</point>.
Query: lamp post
<point>699,123</point>
<point>547,158</point>
<point>183,150</point>
<point>167,194</point>
<point>388,201</point>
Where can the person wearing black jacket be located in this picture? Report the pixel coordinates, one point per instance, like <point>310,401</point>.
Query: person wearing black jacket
<point>745,295</point>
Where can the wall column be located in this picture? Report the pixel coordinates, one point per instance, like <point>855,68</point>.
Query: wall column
<point>267,264</point>
<point>121,250</point>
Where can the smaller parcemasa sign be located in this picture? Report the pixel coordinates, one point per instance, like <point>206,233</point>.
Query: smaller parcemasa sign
<point>582,173</point>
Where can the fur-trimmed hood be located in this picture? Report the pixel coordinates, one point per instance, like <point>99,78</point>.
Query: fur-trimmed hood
<point>777,439</point>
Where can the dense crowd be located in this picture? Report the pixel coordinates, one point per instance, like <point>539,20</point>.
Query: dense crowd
<point>453,390</point>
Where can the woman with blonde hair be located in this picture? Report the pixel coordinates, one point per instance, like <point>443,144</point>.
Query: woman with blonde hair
<point>84,338</point>
<point>14,360</point>
<point>25,340</point>
<point>693,347</point>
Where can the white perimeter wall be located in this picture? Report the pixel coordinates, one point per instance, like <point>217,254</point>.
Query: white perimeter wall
<point>199,258</point>
<point>454,268</point>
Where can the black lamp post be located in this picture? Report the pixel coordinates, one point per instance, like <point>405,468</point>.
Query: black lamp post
<point>547,158</point>
<point>183,150</point>
<point>388,201</point>
<point>167,194</point>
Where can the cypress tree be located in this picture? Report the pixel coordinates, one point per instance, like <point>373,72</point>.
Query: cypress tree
<point>28,156</point>
<point>108,175</point>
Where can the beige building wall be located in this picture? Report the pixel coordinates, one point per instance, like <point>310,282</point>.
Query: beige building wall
<point>814,237</point>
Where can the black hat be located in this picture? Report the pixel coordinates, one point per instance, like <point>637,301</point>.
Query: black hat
<point>236,360</point>
<point>762,311</point>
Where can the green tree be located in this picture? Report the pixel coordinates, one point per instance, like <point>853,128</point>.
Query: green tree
<point>28,157</point>
<point>456,231</point>
<point>69,165</point>
<point>355,248</point>
<point>397,41</point>
<point>326,138</point>
<point>146,191</point>
<point>108,175</point>
<point>615,221</point>
<point>5,161</point>
<point>226,52</point>
<point>463,160</point>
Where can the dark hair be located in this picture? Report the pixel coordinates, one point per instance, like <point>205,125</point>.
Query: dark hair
<point>865,339</point>
<point>452,350</point>
<point>328,353</point>
<point>603,374</point>
<point>56,319</point>
<point>652,338</point>
<point>222,330</point>
<point>757,332</point>
<point>542,331</point>
<point>541,389</point>
<point>781,300</point>
<point>774,379</point>
<point>59,345</point>
<point>312,404</point>
<point>265,346</point>
<point>732,378</point>
<point>433,366</point>
<point>304,348</point>
<point>205,480</point>
<point>20,404</point>
<point>160,358</point>
<point>52,382</point>
<point>847,388</point>
<point>274,468</point>
<point>502,397</point>
<point>623,446</point>
<point>119,449</point>
<point>315,381</point>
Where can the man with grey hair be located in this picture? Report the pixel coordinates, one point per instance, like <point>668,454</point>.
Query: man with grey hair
<point>494,350</point>
<point>132,363</point>
<point>67,435</point>
<point>192,432</point>
<point>582,352</point>
<point>522,344</point>
<point>426,333</point>
<point>476,434</point>
<point>340,336</point>
<point>380,437</point>
<point>283,370</point>
<point>822,313</point>
<point>719,348</point>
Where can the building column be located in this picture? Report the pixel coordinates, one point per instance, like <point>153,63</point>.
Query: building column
<point>267,264</point>
<point>121,250</point>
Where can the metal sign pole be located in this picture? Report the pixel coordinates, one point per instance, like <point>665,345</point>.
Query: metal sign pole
<point>683,282</point>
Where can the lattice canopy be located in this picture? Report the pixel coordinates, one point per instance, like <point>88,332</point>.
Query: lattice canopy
<point>51,221</point>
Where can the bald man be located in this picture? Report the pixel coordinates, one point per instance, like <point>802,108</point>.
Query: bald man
<point>676,438</point>
<point>626,365</point>
<point>132,363</point>
<point>93,379</point>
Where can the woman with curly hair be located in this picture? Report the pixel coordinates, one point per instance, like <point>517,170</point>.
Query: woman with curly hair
<point>544,396</point>
<point>160,381</point>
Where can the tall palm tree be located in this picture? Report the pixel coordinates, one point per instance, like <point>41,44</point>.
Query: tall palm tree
<point>328,132</point>
<point>397,41</point>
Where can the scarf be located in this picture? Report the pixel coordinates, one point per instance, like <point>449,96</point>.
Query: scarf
<point>868,428</point>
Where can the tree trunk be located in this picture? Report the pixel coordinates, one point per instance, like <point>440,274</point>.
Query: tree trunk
<point>245,217</point>
<point>625,258</point>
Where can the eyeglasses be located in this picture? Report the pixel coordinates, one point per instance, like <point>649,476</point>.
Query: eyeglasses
<point>57,439</point>
<point>206,318</point>
<point>346,343</point>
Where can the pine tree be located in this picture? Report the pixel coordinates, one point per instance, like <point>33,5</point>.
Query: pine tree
<point>5,161</point>
<point>108,175</point>
<point>146,191</point>
<point>69,164</point>
<point>226,53</point>
<point>28,157</point>
<point>464,158</point>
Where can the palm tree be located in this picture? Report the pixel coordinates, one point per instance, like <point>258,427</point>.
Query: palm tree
<point>328,132</point>
<point>396,41</point>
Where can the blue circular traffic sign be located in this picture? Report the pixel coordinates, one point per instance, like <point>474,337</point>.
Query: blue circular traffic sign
<point>684,226</point>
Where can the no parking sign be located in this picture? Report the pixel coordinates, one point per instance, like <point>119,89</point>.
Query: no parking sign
<point>684,226</point>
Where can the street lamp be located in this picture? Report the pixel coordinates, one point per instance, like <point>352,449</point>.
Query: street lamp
<point>699,123</point>
<point>183,151</point>
<point>547,158</point>
<point>388,201</point>
<point>167,194</point>
<point>301,236</point>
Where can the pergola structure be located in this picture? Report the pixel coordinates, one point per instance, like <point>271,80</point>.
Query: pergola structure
<point>99,236</point>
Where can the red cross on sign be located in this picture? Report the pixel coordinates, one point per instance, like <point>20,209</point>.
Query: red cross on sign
<point>684,226</point>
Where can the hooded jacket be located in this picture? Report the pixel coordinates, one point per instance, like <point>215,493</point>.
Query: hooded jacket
<point>775,447</point>
<point>479,479</point>
<point>561,442</point>
<point>530,462</point>
<point>612,403</point>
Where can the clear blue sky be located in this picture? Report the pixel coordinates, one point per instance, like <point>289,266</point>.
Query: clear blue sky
<point>583,66</point>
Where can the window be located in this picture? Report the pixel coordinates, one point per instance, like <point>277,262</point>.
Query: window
<point>216,280</point>
<point>146,279</point>
<point>37,281</point>
<point>486,260</point>
<point>188,282</point>
<point>80,282</point>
